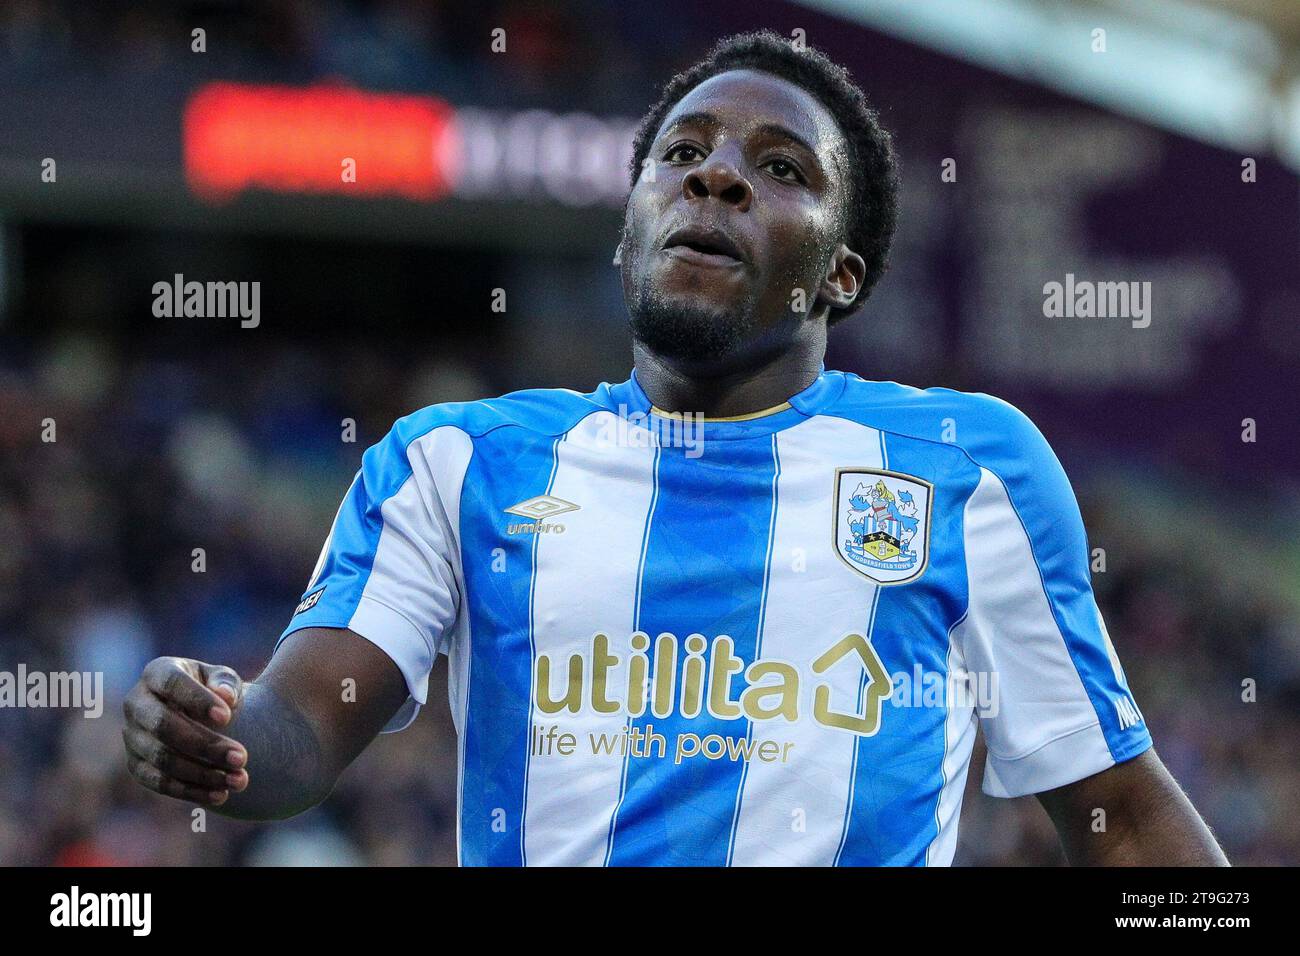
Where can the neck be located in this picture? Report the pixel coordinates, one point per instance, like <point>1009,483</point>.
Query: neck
<point>731,392</point>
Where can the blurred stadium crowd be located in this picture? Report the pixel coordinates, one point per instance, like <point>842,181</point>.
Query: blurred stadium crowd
<point>417,45</point>
<point>171,439</point>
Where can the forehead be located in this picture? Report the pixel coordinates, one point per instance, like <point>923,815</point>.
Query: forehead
<point>744,100</point>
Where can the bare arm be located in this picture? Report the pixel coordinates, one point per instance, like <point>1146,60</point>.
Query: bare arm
<point>1148,819</point>
<point>268,749</point>
<point>299,731</point>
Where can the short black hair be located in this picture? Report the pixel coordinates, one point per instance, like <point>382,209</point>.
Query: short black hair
<point>872,212</point>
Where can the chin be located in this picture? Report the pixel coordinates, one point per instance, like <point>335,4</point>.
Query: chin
<point>691,330</point>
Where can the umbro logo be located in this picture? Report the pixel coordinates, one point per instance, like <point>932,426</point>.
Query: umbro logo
<point>543,506</point>
<point>537,509</point>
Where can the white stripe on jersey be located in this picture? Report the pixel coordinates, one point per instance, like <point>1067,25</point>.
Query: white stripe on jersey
<point>586,582</point>
<point>440,460</point>
<point>959,732</point>
<point>417,565</point>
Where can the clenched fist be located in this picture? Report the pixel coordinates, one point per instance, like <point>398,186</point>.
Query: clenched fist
<point>172,741</point>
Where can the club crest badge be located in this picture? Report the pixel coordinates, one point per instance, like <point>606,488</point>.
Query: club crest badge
<point>882,523</point>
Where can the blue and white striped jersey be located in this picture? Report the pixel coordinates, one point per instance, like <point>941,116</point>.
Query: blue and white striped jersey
<point>764,640</point>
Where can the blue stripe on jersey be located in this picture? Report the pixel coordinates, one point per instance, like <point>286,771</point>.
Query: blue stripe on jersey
<point>636,626</point>
<point>898,775</point>
<point>857,751</point>
<point>713,516</point>
<point>758,651</point>
<point>499,576</point>
<point>509,465</point>
<point>532,653</point>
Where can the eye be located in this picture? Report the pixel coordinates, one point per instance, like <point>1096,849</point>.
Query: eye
<point>784,169</point>
<point>683,153</point>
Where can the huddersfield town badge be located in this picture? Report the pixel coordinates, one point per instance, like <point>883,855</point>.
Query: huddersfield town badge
<point>882,523</point>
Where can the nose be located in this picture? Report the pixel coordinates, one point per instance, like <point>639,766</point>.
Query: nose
<point>718,176</point>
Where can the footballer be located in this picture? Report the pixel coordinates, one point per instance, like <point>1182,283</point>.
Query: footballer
<point>736,610</point>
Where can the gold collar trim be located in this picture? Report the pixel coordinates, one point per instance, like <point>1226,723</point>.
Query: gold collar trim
<point>729,418</point>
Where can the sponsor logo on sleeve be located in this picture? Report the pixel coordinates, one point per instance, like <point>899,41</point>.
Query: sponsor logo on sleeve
<point>308,602</point>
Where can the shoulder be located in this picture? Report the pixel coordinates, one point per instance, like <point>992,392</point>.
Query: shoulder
<point>536,411</point>
<point>989,430</point>
<point>1018,469</point>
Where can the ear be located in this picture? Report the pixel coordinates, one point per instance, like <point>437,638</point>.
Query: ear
<point>844,276</point>
<point>618,254</point>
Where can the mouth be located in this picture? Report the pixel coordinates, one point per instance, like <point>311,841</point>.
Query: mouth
<point>703,246</point>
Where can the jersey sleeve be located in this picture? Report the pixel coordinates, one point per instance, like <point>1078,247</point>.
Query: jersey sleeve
<point>1060,707</point>
<point>390,567</point>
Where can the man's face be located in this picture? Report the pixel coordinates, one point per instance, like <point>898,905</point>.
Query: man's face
<point>745,207</point>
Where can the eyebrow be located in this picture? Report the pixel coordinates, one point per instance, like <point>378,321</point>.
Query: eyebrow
<point>700,119</point>
<point>770,129</point>
<point>776,129</point>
